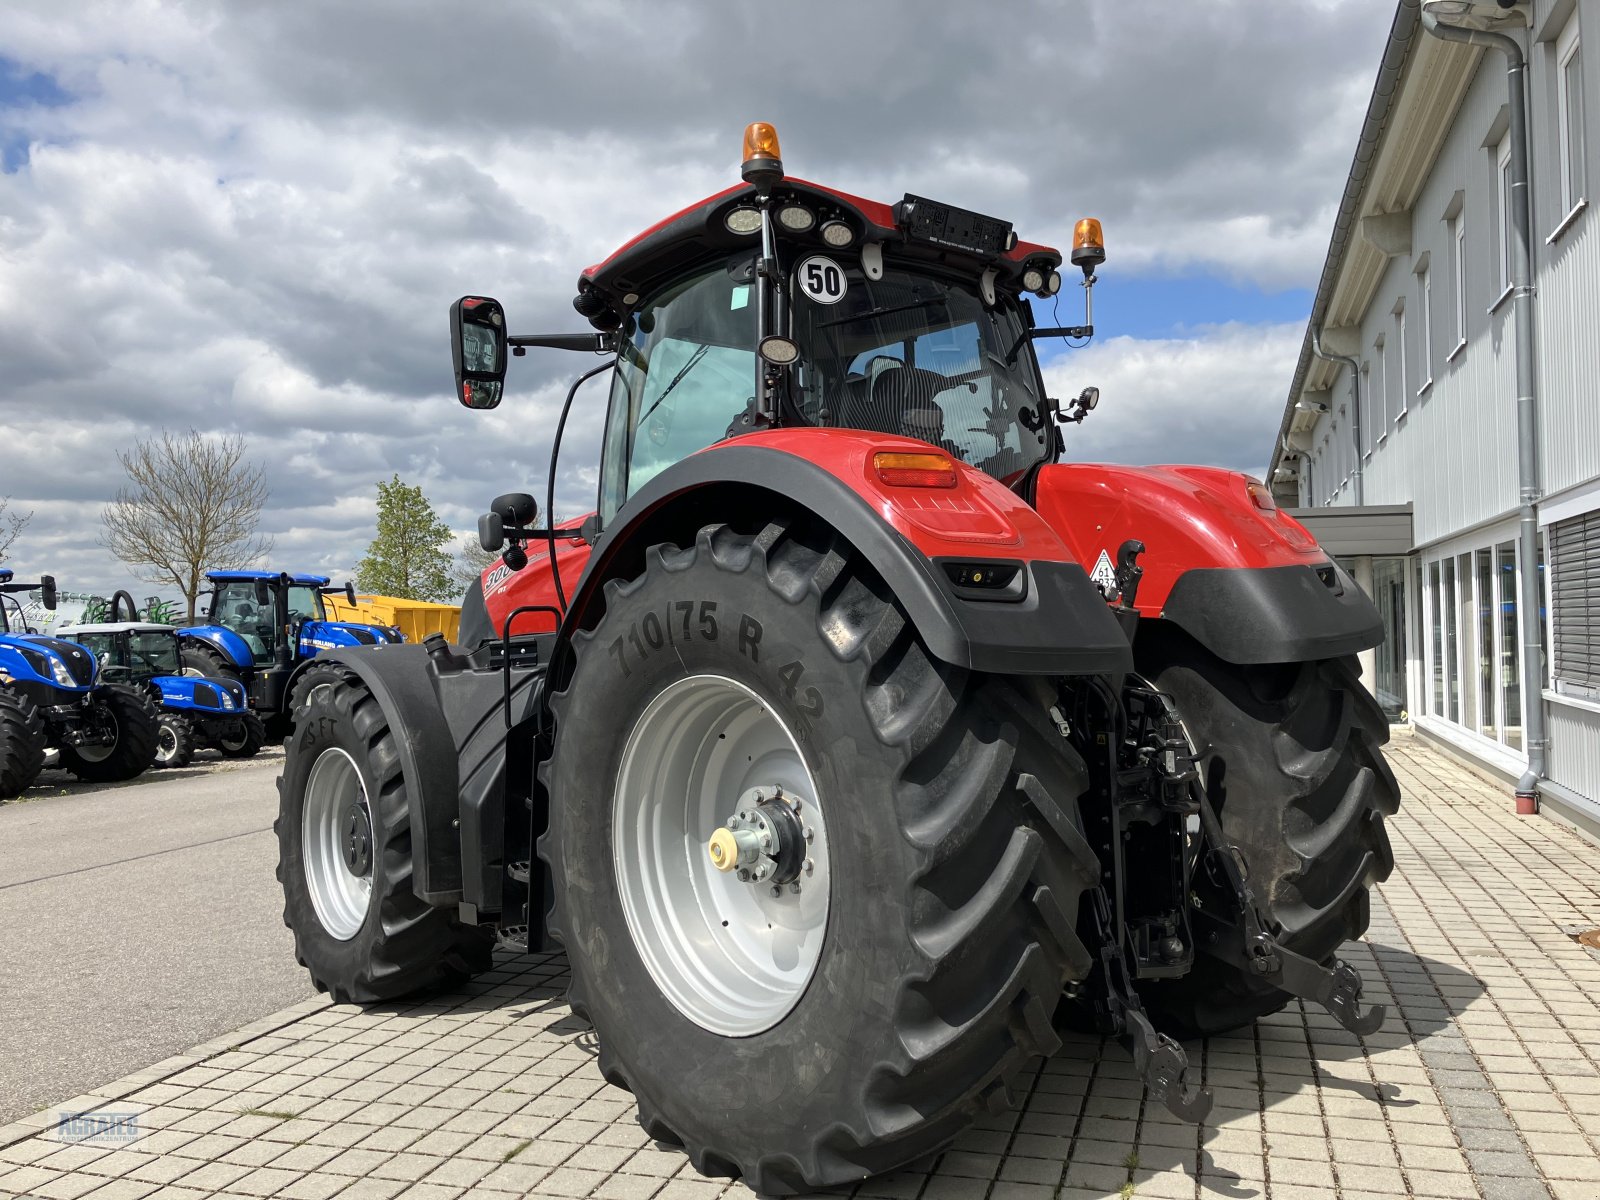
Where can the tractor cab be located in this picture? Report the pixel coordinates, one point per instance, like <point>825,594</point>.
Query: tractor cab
<point>12,618</point>
<point>128,652</point>
<point>248,608</point>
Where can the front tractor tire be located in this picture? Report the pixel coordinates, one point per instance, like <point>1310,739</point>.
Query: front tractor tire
<point>884,986</point>
<point>132,720</point>
<point>175,741</point>
<point>22,741</point>
<point>242,737</point>
<point>1290,754</point>
<point>344,860</point>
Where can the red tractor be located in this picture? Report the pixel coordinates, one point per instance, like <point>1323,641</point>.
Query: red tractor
<point>854,742</point>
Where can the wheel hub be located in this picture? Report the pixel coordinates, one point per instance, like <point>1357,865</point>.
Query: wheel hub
<point>765,841</point>
<point>357,839</point>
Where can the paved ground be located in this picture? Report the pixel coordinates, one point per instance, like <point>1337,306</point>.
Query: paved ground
<point>137,919</point>
<point>1485,1082</point>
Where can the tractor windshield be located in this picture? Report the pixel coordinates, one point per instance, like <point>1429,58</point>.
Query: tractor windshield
<point>908,353</point>
<point>921,356</point>
<point>154,653</point>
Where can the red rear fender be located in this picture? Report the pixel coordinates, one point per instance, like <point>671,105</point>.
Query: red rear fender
<point>1187,517</point>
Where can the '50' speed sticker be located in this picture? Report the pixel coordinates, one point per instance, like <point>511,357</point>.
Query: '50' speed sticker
<point>821,279</point>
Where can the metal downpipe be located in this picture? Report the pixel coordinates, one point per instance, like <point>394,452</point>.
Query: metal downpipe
<point>1355,405</point>
<point>1529,598</point>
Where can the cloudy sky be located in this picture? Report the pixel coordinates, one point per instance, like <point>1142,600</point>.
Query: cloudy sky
<point>253,217</point>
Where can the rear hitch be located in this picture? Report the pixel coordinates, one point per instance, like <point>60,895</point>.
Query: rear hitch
<point>1161,1062</point>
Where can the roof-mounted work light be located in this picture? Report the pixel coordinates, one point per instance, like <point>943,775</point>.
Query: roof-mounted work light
<point>763,160</point>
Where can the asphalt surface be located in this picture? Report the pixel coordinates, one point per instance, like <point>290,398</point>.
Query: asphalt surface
<point>136,920</point>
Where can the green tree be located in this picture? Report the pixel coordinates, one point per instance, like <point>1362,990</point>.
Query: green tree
<point>408,557</point>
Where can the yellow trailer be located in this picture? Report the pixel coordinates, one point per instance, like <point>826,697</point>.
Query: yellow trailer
<point>414,618</point>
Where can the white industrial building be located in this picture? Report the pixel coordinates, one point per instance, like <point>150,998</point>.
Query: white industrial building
<point>1401,445</point>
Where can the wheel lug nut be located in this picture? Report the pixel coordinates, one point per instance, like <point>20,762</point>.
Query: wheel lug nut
<point>777,891</point>
<point>810,866</point>
<point>795,887</point>
<point>811,835</point>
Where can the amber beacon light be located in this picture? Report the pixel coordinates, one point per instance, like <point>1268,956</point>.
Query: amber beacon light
<point>763,160</point>
<point>1088,245</point>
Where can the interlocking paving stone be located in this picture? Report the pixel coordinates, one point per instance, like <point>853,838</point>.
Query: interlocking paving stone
<point>1484,1083</point>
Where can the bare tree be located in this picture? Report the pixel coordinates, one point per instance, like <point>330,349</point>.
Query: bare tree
<point>11,525</point>
<point>472,560</point>
<point>191,504</point>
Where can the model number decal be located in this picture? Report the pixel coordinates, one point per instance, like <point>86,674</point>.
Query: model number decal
<point>683,621</point>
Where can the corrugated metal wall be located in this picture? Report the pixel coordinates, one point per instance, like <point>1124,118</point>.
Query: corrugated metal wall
<point>1575,748</point>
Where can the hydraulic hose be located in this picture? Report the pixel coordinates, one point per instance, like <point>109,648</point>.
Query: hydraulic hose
<point>550,486</point>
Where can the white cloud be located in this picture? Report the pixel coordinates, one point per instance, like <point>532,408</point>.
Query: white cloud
<point>253,218</point>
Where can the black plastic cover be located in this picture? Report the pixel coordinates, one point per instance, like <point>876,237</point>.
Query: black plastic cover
<point>1253,615</point>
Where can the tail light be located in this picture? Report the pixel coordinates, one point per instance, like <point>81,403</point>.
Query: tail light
<point>914,470</point>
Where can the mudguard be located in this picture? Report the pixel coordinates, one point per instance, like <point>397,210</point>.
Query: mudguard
<point>1051,620</point>
<point>1221,560</point>
<point>200,697</point>
<point>449,719</point>
<point>234,648</point>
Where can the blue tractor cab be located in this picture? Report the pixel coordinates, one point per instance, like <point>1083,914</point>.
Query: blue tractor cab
<point>53,698</point>
<point>196,713</point>
<point>264,628</point>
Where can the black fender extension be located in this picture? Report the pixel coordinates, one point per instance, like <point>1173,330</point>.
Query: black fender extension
<point>449,714</point>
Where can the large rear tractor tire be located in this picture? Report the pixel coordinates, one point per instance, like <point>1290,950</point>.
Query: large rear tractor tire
<point>243,739</point>
<point>886,984</point>
<point>134,718</point>
<point>21,744</point>
<point>1290,755</point>
<point>212,663</point>
<point>344,860</point>
<point>175,741</point>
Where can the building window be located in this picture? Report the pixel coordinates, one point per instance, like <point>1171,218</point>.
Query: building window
<point>1569,112</point>
<point>1395,397</point>
<point>1371,400</point>
<point>1575,599</point>
<point>1503,191</point>
<point>1427,332</point>
<point>1458,265</point>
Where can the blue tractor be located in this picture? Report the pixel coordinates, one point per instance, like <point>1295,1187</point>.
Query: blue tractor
<point>195,713</point>
<point>263,629</point>
<point>53,698</point>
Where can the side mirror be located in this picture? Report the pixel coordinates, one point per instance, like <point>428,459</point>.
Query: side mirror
<point>47,591</point>
<point>263,593</point>
<point>350,592</point>
<point>516,508</point>
<point>478,350</point>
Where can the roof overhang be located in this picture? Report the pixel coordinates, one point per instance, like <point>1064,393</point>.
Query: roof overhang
<point>1421,84</point>
<point>1381,530</point>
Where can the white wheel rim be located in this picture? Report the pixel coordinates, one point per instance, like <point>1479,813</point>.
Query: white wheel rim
<point>341,890</point>
<point>166,743</point>
<point>730,955</point>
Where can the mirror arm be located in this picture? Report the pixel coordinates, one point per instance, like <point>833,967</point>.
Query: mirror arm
<point>1064,331</point>
<point>596,343</point>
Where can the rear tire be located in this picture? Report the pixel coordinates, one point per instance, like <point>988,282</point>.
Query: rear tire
<point>135,717</point>
<point>387,943</point>
<point>211,663</point>
<point>245,741</point>
<point>1290,754</point>
<point>175,741</point>
<point>952,854</point>
<point>21,744</point>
